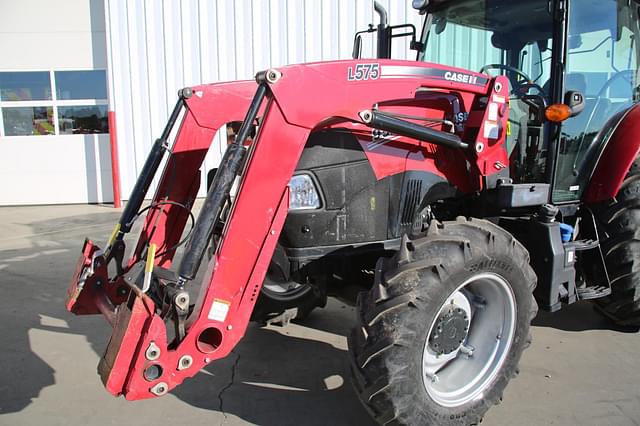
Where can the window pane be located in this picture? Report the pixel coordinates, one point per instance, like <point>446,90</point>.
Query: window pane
<point>81,85</point>
<point>83,119</point>
<point>25,121</point>
<point>25,86</point>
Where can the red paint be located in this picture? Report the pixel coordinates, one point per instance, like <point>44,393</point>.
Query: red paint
<point>620,152</point>
<point>307,98</point>
<point>115,167</point>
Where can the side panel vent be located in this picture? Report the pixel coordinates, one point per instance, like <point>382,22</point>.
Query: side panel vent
<point>412,195</point>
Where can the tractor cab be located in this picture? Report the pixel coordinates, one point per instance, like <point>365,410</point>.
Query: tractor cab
<point>581,53</point>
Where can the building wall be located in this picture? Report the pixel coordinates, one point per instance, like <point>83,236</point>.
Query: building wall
<point>158,47</point>
<point>42,35</point>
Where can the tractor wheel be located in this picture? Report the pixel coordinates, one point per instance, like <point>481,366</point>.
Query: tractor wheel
<point>442,330</point>
<point>283,299</point>
<point>620,220</point>
<point>294,300</point>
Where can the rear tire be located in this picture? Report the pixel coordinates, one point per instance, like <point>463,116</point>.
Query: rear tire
<point>420,292</point>
<point>620,220</point>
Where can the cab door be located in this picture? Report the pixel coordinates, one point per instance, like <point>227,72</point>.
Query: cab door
<point>601,63</point>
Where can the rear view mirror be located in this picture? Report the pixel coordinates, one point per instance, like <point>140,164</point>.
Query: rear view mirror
<point>441,24</point>
<point>575,101</point>
<point>572,106</point>
<point>357,47</point>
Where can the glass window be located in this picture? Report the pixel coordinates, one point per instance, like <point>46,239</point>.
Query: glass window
<point>24,121</point>
<point>510,38</point>
<point>602,65</point>
<point>472,34</point>
<point>83,119</point>
<point>25,86</point>
<point>81,85</point>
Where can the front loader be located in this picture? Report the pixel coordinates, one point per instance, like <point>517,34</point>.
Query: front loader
<point>437,194</point>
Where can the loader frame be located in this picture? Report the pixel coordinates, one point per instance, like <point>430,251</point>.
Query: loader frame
<point>142,359</point>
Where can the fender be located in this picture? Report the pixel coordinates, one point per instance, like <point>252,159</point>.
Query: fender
<point>620,151</point>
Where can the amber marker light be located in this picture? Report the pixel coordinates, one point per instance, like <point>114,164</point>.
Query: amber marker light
<point>557,112</point>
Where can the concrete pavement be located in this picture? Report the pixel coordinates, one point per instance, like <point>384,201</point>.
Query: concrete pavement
<point>579,371</point>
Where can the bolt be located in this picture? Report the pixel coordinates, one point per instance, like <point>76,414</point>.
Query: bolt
<point>273,232</point>
<point>433,376</point>
<point>207,360</point>
<point>273,76</point>
<point>185,362</point>
<point>467,350</point>
<point>153,352</point>
<point>366,116</point>
<point>182,301</point>
<point>229,327</point>
<point>159,389</point>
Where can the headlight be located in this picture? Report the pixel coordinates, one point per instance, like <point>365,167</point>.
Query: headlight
<point>303,194</point>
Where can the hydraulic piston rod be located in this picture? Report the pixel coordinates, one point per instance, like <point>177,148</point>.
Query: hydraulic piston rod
<point>218,193</point>
<point>378,120</point>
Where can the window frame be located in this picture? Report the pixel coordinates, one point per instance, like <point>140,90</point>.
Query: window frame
<point>54,102</point>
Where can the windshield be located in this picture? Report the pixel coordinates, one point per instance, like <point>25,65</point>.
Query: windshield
<point>501,37</point>
<point>473,34</point>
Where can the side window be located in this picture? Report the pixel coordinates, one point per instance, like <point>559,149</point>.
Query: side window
<point>88,111</point>
<point>35,103</point>
<point>19,118</point>
<point>535,59</point>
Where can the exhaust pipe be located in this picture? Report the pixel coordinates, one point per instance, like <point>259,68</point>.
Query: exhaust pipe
<point>384,32</point>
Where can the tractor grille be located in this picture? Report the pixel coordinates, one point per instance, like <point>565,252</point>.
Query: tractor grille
<point>411,200</point>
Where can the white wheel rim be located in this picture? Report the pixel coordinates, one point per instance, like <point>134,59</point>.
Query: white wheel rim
<point>463,375</point>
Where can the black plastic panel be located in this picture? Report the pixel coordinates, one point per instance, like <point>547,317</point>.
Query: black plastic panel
<point>356,207</point>
<point>355,204</point>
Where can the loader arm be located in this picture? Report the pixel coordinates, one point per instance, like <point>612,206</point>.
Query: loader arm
<point>143,358</point>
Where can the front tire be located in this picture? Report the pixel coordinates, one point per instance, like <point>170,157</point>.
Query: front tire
<point>442,330</point>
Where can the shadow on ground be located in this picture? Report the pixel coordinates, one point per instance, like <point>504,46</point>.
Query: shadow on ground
<point>279,380</point>
<point>269,373</point>
<point>580,316</point>
<point>34,280</point>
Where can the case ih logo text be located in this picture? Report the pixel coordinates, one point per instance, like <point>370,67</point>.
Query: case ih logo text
<point>363,72</point>
<point>460,78</point>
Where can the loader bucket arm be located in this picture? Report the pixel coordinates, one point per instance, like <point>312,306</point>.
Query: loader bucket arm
<point>143,359</point>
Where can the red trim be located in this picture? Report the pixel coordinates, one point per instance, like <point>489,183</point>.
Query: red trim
<point>115,167</point>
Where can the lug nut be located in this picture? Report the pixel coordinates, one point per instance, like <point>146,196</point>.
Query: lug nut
<point>467,350</point>
<point>433,377</point>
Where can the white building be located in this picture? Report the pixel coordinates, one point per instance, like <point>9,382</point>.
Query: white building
<point>65,64</point>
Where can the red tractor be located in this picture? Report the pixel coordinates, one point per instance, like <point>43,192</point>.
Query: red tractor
<point>441,189</point>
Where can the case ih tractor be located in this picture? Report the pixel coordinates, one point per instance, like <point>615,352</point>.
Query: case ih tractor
<point>441,189</point>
